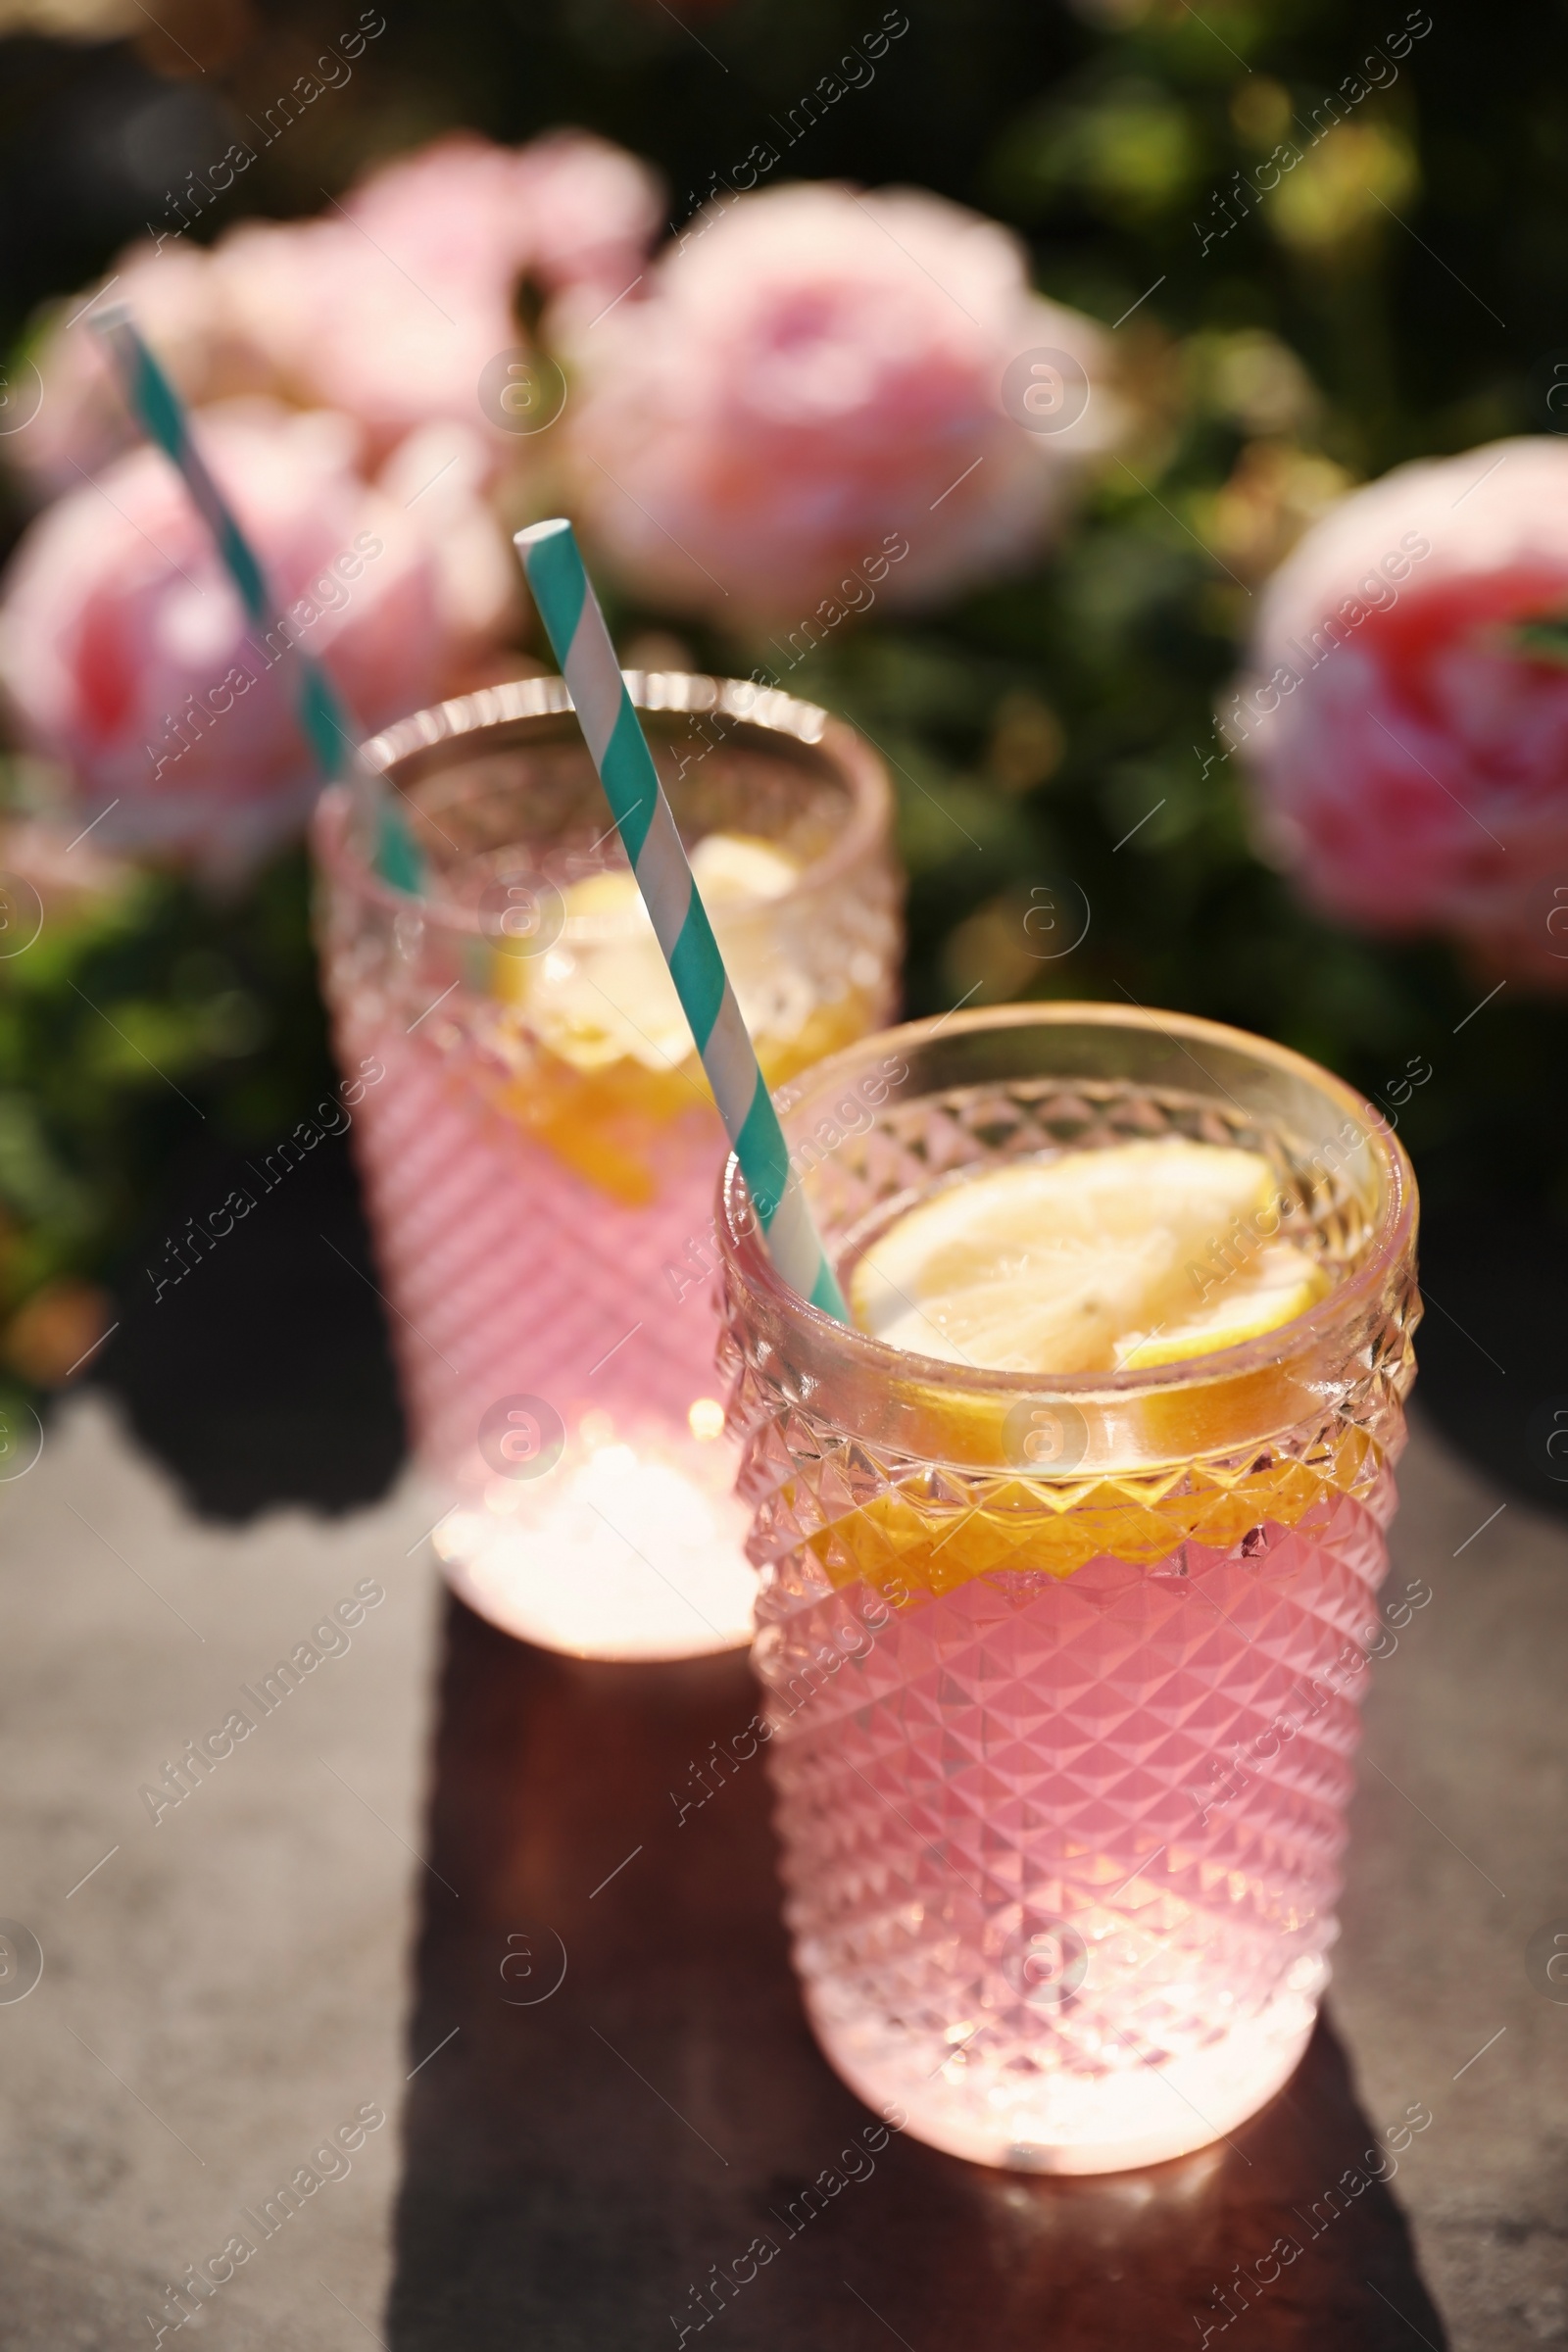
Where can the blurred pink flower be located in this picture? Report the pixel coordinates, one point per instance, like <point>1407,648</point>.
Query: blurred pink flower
<point>811,372</point>
<point>568,208</point>
<point>355,329</point>
<point>592,210</point>
<point>406,292</point>
<point>127,654</point>
<point>387,307</point>
<point>1406,717</point>
<point>180,308</point>
<point>448,214</point>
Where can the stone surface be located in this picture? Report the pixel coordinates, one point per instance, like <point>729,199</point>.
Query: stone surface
<point>571,2166</point>
<point>1457,1858</point>
<point>226,1987</point>
<point>637,2099</point>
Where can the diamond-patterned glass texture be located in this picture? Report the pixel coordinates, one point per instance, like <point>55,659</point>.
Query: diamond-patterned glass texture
<point>1062,1767</point>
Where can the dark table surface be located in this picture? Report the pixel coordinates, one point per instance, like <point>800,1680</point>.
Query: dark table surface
<point>634,2099</point>
<point>613,2094</point>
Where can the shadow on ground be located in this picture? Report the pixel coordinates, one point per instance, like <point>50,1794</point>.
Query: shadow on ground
<point>581,2155</point>
<point>262,1376</point>
<point>617,2091</point>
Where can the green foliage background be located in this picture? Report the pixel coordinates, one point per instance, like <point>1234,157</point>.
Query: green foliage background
<point>1402,296</point>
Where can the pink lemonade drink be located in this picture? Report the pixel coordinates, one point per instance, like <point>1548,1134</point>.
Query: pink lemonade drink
<point>1070,1557</point>
<point>540,1155</point>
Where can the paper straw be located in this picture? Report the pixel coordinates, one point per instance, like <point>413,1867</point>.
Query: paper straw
<point>570,613</point>
<point>325,718</point>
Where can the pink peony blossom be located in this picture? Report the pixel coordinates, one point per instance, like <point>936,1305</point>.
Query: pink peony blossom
<point>406,291</point>
<point>181,307</point>
<point>127,654</point>
<point>812,374</point>
<point>568,209</point>
<point>387,307</point>
<point>360,330</point>
<point>448,214</point>
<point>1406,719</point>
<point>592,210</point>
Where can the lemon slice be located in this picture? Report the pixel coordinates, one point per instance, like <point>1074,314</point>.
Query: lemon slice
<point>603,993</point>
<point>1062,1265</point>
<point>729,867</point>
<point>1281,1283</point>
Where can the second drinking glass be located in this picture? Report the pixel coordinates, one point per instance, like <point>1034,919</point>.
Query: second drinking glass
<point>536,1139</point>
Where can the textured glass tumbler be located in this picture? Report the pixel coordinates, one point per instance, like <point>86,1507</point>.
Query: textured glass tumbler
<point>536,1139</point>
<point>1062,1673</point>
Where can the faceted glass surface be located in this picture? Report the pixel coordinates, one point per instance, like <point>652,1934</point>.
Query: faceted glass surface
<point>510,1276</point>
<point>1062,1762</point>
<point>541,1220</point>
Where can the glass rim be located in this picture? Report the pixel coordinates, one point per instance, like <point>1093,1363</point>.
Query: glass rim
<point>745,1251</point>
<point>524,710</point>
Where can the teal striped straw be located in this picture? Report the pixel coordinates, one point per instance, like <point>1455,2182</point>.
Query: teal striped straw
<point>325,720</point>
<point>570,613</point>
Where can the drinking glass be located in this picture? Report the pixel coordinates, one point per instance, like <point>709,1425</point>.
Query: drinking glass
<point>1062,1672</point>
<point>536,1139</point>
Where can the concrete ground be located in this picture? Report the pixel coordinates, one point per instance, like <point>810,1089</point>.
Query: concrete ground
<point>226,1987</point>
<point>1457,1863</point>
<point>223,1988</point>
